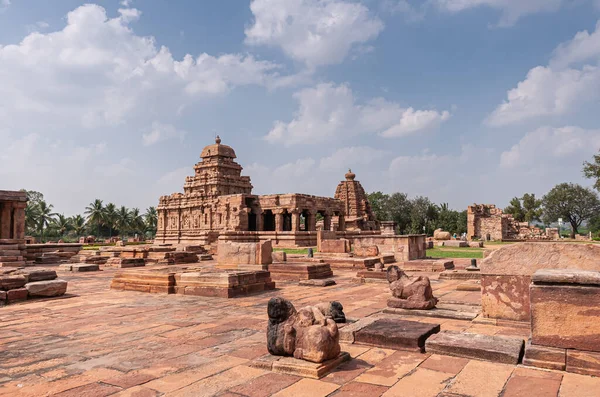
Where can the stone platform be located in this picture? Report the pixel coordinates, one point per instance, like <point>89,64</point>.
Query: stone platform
<point>396,334</point>
<point>293,366</point>
<point>349,261</point>
<point>460,275</point>
<point>451,311</point>
<point>370,276</point>
<point>427,265</point>
<point>80,267</point>
<point>296,271</point>
<point>498,349</point>
<point>191,281</point>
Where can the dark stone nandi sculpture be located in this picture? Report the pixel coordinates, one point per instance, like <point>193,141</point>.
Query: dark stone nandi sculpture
<point>308,334</point>
<point>409,292</point>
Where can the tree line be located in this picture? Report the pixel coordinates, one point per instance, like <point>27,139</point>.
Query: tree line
<point>417,215</point>
<point>99,220</point>
<point>571,202</point>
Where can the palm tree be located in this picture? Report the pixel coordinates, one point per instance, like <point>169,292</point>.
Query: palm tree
<point>45,216</point>
<point>137,222</point>
<point>123,220</point>
<point>110,216</point>
<point>95,213</point>
<point>31,217</point>
<point>61,224</point>
<point>78,225</point>
<point>151,218</point>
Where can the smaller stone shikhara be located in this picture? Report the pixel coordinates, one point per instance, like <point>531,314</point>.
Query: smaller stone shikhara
<point>409,292</point>
<point>310,333</point>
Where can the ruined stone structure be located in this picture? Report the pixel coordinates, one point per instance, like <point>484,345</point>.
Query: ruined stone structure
<point>217,199</point>
<point>487,222</point>
<point>12,215</point>
<point>359,215</point>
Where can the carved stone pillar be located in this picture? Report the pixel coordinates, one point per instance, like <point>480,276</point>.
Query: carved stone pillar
<point>5,210</point>
<point>342,223</point>
<point>279,221</point>
<point>260,221</point>
<point>295,220</point>
<point>311,221</point>
<point>327,221</point>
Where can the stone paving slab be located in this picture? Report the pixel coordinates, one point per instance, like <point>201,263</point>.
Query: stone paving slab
<point>498,349</point>
<point>396,334</point>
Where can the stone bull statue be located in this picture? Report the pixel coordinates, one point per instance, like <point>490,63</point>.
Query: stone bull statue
<point>409,292</point>
<point>309,334</point>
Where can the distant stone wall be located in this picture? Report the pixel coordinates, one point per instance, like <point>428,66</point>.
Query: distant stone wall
<point>234,253</point>
<point>404,248</point>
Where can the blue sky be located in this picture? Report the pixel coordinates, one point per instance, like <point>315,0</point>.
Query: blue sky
<point>460,100</point>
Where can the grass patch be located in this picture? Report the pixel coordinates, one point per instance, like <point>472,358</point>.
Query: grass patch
<point>298,251</point>
<point>439,252</point>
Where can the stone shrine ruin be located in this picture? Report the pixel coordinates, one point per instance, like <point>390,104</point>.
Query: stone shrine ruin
<point>487,222</point>
<point>219,199</point>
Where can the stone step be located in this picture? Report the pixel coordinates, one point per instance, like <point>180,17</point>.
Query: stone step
<point>436,312</point>
<point>500,349</point>
<point>12,264</point>
<point>396,334</point>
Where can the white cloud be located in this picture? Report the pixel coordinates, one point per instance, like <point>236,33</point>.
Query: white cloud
<point>4,4</point>
<point>546,145</point>
<point>97,71</point>
<point>346,157</point>
<point>328,110</point>
<point>38,26</point>
<point>316,32</point>
<point>512,10</point>
<point>161,132</point>
<point>559,88</point>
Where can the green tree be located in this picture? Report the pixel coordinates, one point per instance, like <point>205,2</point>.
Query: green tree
<point>532,208</point>
<point>78,225</point>
<point>110,217</point>
<point>572,202</point>
<point>379,204</point>
<point>45,217</point>
<point>515,209</point>
<point>461,222</point>
<point>151,220</point>
<point>61,224</point>
<point>423,216</point>
<point>591,170</point>
<point>123,220</point>
<point>399,207</point>
<point>137,221</point>
<point>95,214</point>
<point>447,219</point>
<point>32,211</point>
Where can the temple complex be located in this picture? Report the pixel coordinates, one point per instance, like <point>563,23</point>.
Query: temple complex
<point>12,215</point>
<point>488,222</point>
<point>359,215</point>
<point>218,199</point>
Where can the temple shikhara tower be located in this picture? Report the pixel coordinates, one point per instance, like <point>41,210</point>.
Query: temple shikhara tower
<point>217,199</point>
<point>359,215</point>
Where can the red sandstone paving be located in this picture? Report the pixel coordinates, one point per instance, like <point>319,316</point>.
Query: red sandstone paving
<point>102,342</point>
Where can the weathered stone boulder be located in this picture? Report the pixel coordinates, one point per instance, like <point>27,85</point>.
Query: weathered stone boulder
<point>47,288</point>
<point>306,334</point>
<point>440,235</point>
<point>409,292</point>
<point>506,274</point>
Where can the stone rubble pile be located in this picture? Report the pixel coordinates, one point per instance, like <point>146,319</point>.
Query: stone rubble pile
<point>19,284</point>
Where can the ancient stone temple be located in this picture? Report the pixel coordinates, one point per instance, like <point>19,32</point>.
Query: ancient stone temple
<point>487,222</point>
<point>359,215</point>
<point>12,215</point>
<point>218,199</point>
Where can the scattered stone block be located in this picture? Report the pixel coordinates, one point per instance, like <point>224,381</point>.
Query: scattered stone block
<point>279,256</point>
<point>223,284</point>
<point>427,265</point>
<point>498,349</point>
<point>396,334</point>
<point>317,283</point>
<point>17,294</point>
<point>545,357</point>
<point>38,274</point>
<point>506,274</point>
<point>85,267</point>
<point>302,368</point>
<point>296,271</point>
<point>234,253</point>
<point>459,275</point>
<point>583,362</point>
<point>47,288</point>
<point>453,243</point>
<point>564,309</point>
<point>469,286</point>
<point>124,263</point>
<point>476,244</point>
<point>8,282</point>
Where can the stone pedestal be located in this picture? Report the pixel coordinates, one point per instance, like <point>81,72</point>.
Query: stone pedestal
<point>292,366</point>
<point>396,334</point>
